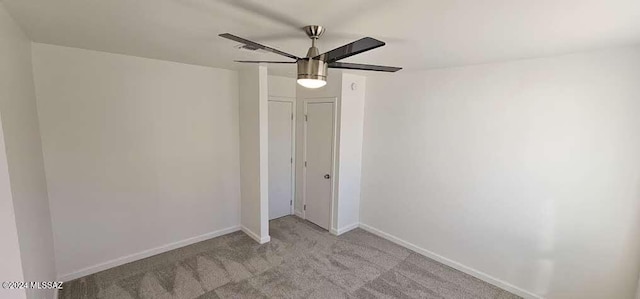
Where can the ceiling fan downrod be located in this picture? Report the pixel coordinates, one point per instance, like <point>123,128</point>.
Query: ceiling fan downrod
<point>313,32</point>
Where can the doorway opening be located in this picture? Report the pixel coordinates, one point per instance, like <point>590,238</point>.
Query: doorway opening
<point>319,159</point>
<point>281,156</point>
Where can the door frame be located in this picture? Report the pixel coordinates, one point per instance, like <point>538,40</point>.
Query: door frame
<point>293,145</point>
<point>334,101</point>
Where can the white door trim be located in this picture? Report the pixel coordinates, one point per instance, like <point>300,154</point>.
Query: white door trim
<point>334,101</point>
<point>293,146</point>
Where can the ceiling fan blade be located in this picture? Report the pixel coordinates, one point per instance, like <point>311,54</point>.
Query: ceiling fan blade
<point>364,67</point>
<point>257,45</point>
<point>264,61</point>
<point>357,47</point>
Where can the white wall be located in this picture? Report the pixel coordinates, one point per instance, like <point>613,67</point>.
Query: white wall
<point>10,263</point>
<point>282,86</point>
<point>527,171</point>
<point>254,152</point>
<point>141,155</point>
<point>24,158</point>
<point>352,104</point>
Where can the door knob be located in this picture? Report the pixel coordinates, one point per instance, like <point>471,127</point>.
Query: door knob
<point>326,176</point>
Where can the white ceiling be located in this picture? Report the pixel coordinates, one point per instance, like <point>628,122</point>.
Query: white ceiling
<point>419,34</point>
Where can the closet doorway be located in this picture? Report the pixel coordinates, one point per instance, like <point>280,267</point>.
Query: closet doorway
<point>281,156</point>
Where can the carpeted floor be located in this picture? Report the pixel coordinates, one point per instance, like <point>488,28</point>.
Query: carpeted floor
<point>301,261</point>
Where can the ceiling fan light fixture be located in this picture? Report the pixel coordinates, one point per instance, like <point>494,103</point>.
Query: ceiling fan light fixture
<point>312,83</point>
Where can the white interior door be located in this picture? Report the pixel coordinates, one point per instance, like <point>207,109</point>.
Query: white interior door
<point>319,162</point>
<point>280,158</point>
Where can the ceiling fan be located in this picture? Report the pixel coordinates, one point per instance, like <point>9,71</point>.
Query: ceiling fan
<point>312,69</point>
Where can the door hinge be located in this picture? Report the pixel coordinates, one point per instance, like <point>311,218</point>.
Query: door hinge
<point>305,207</point>
<point>305,163</point>
<point>291,160</point>
<point>291,202</point>
<point>306,118</point>
<point>291,116</point>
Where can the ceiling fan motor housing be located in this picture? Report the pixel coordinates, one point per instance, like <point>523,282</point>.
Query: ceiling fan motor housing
<point>309,68</point>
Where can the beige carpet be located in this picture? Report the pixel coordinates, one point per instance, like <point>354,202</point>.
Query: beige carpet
<point>301,261</point>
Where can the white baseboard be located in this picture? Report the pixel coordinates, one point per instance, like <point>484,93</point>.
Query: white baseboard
<point>255,236</point>
<point>299,214</point>
<point>344,229</point>
<point>144,254</point>
<point>453,264</point>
